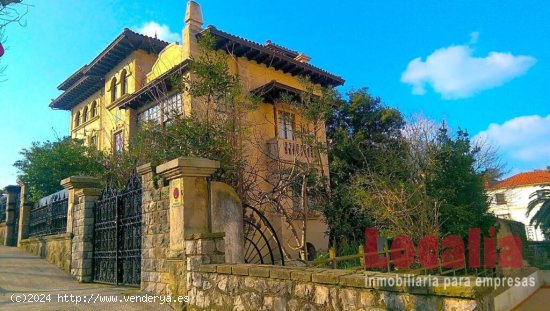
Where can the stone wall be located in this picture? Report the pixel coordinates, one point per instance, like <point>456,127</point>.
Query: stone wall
<point>155,274</point>
<point>261,287</point>
<point>2,232</point>
<point>82,229</point>
<point>55,249</point>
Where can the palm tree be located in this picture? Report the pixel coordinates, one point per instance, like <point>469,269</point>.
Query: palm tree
<point>542,216</point>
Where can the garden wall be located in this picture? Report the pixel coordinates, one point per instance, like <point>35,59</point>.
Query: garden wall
<point>260,287</point>
<point>54,248</point>
<point>2,232</point>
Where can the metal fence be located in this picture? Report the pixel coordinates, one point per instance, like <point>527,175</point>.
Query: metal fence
<point>3,204</point>
<point>539,254</point>
<point>49,215</point>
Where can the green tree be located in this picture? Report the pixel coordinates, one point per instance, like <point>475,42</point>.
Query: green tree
<point>453,181</point>
<point>45,164</point>
<point>364,136</point>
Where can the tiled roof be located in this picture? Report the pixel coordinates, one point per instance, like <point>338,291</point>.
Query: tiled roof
<point>536,177</point>
<point>272,55</point>
<point>74,87</point>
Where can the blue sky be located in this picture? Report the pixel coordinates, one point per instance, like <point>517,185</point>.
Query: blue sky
<point>480,65</point>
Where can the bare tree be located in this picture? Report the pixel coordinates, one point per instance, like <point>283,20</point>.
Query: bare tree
<point>11,11</point>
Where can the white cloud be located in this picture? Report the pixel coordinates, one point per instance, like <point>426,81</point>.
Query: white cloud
<point>454,72</point>
<point>162,32</point>
<point>523,139</point>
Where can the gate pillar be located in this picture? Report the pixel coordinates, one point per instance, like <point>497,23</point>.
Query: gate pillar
<point>83,193</point>
<point>189,199</point>
<point>12,212</point>
<point>24,213</point>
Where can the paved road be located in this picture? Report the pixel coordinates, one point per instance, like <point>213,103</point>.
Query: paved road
<point>25,274</point>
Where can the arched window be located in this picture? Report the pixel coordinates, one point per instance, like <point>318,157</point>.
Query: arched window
<point>123,83</point>
<point>85,114</point>
<point>77,119</point>
<point>94,109</point>
<point>113,89</point>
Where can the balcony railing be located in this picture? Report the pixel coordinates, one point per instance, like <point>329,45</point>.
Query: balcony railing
<point>289,150</point>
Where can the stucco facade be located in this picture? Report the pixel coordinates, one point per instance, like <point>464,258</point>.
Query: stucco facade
<point>509,199</point>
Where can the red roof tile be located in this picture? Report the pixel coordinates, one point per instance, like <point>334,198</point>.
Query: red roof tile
<point>524,179</point>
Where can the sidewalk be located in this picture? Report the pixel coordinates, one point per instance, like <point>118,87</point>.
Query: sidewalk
<point>539,301</point>
<point>22,274</point>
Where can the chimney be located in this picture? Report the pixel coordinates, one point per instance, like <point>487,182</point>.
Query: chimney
<point>193,25</point>
<point>302,58</point>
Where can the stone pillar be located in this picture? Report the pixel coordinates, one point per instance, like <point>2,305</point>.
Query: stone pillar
<point>83,193</point>
<point>24,213</point>
<point>12,208</point>
<point>189,199</point>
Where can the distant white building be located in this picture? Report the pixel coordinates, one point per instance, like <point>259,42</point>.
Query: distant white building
<point>510,197</point>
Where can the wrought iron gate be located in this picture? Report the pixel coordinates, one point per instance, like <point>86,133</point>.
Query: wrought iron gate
<point>261,244</point>
<point>117,235</point>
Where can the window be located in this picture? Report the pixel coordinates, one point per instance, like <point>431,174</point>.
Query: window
<point>77,119</point>
<point>93,140</point>
<point>151,114</point>
<point>501,198</point>
<point>94,109</point>
<point>162,112</point>
<point>123,83</point>
<point>113,89</point>
<point>297,200</point>
<point>287,122</point>
<point>505,216</point>
<point>118,142</point>
<point>85,114</point>
<point>531,234</point>
<point>172,106</point>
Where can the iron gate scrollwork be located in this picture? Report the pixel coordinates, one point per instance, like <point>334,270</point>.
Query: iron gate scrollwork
<point>261,243</point>
<point>117,234</point>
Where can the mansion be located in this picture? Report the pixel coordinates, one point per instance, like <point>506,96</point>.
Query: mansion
<point>109,97</point>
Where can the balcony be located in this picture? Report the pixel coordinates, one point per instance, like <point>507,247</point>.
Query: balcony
<point>289,150</point>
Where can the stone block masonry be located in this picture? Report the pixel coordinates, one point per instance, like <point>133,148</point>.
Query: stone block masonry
<point>261,287</point>
<point>2,232</point>
<point>155,269</point>
<point>56,249</point>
